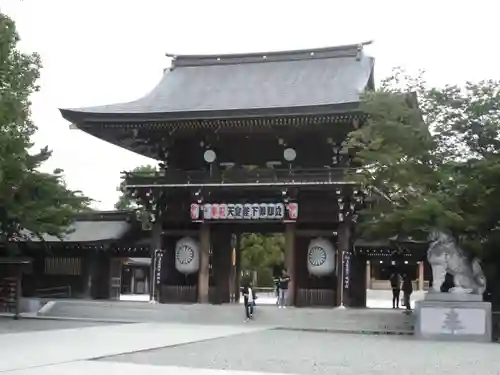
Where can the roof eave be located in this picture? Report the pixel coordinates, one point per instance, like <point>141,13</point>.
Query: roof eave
<point>81,117</point>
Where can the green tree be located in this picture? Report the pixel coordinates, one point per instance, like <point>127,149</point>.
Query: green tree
<point>260,253</point>
<point>437,164</point>
<point>125,201</point>
<point>29,199</point>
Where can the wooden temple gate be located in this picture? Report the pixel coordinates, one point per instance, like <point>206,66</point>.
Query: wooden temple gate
<point>263,151</point>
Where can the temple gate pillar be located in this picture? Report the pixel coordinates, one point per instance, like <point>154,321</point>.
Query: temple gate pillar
<point>221,263</point>
<point>237,269</point>
<point>343,264</point>
<point>233,285</point>
<point>421,280</point>
<point>290,234</point>
<point>368,272</point>
<point>204,271</point>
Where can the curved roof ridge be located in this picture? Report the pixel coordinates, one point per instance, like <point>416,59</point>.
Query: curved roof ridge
<point>348,50</point>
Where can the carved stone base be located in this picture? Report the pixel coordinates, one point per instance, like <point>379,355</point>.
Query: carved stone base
<point>453,320</point>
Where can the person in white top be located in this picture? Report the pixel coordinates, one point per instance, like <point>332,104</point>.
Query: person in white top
<point>248,300</point>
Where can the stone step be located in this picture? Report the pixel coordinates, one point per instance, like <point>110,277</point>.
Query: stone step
<point>318,319</point>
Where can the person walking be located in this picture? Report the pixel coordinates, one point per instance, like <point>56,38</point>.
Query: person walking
<point>248,300</point>
<point>283,289</point>
<point>395,280</point>
<point>276,281</point>
<point>407,291</point>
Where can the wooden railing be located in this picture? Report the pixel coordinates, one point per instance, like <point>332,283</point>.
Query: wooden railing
<point>315,297</point>
<point>238,176</point>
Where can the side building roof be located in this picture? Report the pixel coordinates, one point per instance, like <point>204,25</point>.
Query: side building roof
<point>91,227</point>
<point>312,81</point>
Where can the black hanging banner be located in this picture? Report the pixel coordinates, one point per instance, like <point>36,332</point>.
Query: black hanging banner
<point>158,265</point>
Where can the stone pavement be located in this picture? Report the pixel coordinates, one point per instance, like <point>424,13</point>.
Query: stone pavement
<point>309,353</point>
<point>111,368</point>
<point>8,325</point>
<point>165,348</point>
<point>41,348</point>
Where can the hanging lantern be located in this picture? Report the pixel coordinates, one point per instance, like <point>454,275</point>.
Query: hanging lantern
<point>320,257</point>
<point>187,255</point>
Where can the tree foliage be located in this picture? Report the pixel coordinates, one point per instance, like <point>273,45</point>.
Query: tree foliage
<point>433,154</point>
<point>261,251</point>
<point>29,199</point>
<point>125,201</point>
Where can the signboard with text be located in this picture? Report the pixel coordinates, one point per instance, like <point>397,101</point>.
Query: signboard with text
<point>244,211</point>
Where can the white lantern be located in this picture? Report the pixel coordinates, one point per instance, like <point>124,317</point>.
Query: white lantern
<point>247,211</point>
<point>263,211</point>
<point>271,212</point>
<point>207,211</point>
<point>187,255</point>
<point>293,211</point>
<point>195,211</point>
<point>320,257</point>
<point>223,211</point>
<point>279,211</point>
<point>230,211</point>
<point>255,211</point>
<point>215,211</point>
<point>238,211</point>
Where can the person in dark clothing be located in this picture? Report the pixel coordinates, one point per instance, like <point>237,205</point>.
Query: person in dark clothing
<point>283,289</point>
<point>407,291</point>
<point>276,281</point>
<point>395,280</point>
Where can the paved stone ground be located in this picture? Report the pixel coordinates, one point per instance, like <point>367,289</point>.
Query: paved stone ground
<point>36,350</point>
<point>8,325</point>
<point>277,351</point>
<point>112,368</point>
<point>166,348</point>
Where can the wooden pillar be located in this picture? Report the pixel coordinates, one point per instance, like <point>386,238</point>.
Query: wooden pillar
<point>204,271</point>
<point>421,280</point>
<point>290,261</point>
<point>343,264</point>
<point>368,275</point>
<point>237,268</point>
<point>233,288</point>
<point>221,262</point>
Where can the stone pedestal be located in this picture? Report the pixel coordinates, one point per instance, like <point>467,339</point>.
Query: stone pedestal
<point>453,317</point>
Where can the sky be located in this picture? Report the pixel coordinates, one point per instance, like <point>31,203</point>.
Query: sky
<point>107,51</point>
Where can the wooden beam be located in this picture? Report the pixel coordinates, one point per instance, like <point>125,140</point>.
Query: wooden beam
<point>290,261</point>
<point>181,232</point>
<point>315,233</point>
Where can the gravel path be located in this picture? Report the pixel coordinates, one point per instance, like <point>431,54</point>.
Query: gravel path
<point>325,353</point>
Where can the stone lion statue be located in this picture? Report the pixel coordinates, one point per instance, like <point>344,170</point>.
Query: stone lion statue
<point>445,256</point>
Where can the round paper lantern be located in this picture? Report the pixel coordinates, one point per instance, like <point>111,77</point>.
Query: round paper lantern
<point>320,257</point>
<point>187,255</point>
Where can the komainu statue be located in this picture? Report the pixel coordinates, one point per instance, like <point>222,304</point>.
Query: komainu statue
<point>445,256</point>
